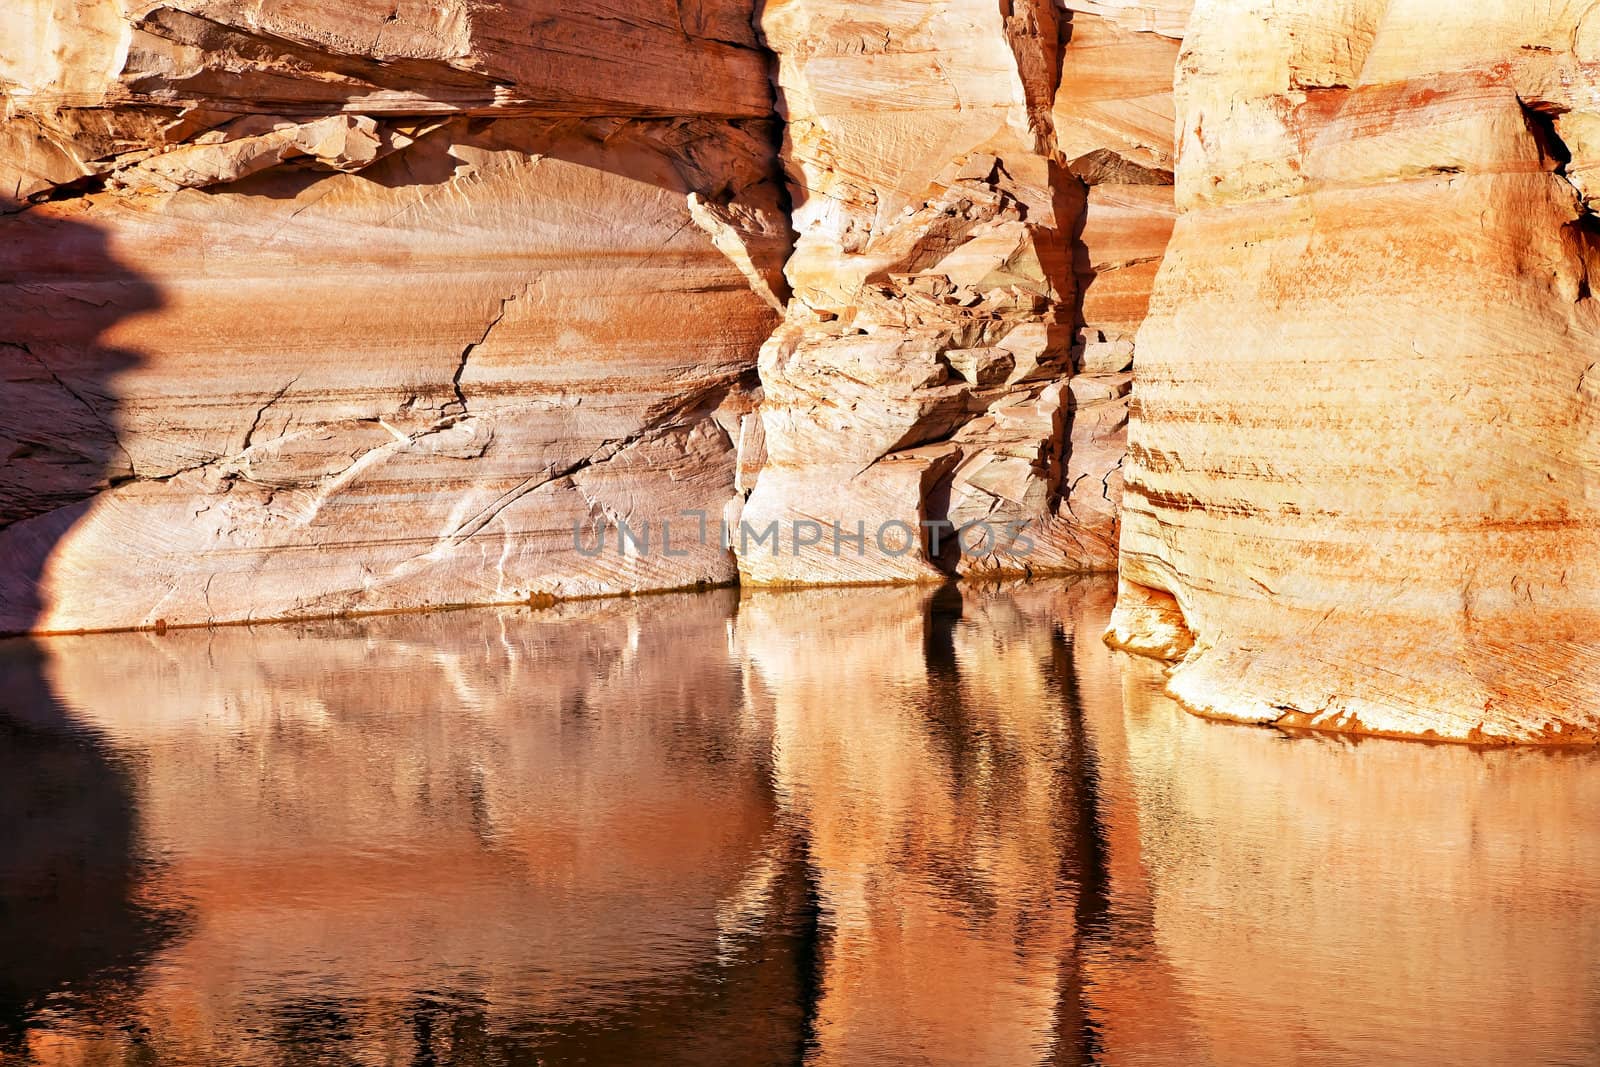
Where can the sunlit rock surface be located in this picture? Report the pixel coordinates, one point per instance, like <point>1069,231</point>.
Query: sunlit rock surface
<point>350,307</point>
<point>1364,453</point>
<point>921,378</point>
<point>327,308</point>
<point>310,308</point>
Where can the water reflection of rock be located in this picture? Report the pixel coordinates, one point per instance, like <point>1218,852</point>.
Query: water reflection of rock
<point>923,746</point>
<point>459,824</point>
<point>842,825</point>
<point>1335,901</point>
<point>70,918</point>
<point>71,923</point>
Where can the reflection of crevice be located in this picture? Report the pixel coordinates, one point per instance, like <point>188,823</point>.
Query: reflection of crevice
<point>1079,1040</point>
<point>459,1022</point>
<point>945,708</point>
<point>810,958</point>
<point>318,1029</point>
<point>1094,897</point>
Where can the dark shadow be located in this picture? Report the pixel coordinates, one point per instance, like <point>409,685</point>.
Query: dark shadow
<point>71,930</point>
<point>949,721</point>
<point>1073,195</point>
<point>63,289</point>
<point>71,933</point>
<point>1079,1040</point>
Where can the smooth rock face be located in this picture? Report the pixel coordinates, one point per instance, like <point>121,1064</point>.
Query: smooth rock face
<point>371,313</point>
<point>1365,456</point>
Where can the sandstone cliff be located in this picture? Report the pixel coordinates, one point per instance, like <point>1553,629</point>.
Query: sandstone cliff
<point>1363,462</point>
<point>318,308</point>
<point>313,308</point>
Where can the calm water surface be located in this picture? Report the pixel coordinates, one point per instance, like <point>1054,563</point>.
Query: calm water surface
<point>836,827</point>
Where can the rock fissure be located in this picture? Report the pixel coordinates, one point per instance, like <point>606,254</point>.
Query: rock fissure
<point>81,400</point>
<point>466,352</point>
<point>255,424</point>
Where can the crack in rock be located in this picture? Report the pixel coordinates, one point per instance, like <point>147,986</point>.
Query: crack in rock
<point>94,412</point>
<point>250,434</point>
<point>466,353</point>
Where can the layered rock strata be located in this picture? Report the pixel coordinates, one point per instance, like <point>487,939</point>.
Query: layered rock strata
<point>321,308</point>
<point>1364,456</point>
<point>312,309</point>
<point>921,414</point>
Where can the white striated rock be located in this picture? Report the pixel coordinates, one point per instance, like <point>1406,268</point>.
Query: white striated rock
<point>917,381</point>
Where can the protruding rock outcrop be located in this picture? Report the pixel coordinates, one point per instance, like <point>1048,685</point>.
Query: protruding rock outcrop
<point>1364,453</point>
<point>918,417</point>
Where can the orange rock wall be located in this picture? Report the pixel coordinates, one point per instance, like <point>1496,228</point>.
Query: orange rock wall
<point>1363,455</point>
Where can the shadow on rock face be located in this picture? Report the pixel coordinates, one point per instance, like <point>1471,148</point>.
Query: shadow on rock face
<point>69,920</point>
<point>61,292</point>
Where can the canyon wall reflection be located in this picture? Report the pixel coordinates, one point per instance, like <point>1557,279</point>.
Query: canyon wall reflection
<point>836,827</point>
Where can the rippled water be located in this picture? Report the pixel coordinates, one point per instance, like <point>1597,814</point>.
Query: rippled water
<point>835,827</point>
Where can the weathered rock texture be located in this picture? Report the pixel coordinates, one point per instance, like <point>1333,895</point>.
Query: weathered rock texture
<point>1365,459</point>
<point>922,382</point>
<point>317,308</point>
<point>374,304</point>
<point>313,308</point>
